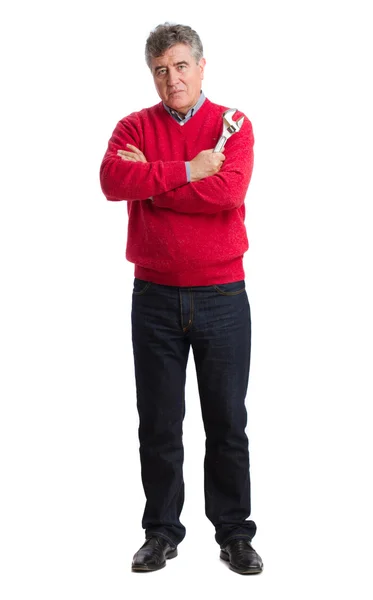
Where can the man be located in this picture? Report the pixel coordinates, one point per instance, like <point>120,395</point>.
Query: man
<point>186,237</point>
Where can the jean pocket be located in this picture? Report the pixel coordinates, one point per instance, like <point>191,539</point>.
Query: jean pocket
<point>230,289</point>
<point>140,286</point>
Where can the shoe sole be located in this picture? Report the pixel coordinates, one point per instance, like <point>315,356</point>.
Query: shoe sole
<point>253,571</point>
<point>147,569</point>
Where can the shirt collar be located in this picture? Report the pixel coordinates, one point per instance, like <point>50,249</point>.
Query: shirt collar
<point>192,111</point>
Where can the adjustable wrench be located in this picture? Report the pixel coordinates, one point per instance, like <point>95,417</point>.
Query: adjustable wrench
<point>229,128</point>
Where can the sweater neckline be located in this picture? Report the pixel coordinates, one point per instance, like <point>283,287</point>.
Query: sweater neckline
<point>182,126</point>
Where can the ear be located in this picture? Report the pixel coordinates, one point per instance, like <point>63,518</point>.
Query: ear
<point>201,65</point>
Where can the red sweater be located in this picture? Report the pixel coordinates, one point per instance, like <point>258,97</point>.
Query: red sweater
<point>180,233</point>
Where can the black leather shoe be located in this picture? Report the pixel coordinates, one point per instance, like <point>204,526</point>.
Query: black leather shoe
<point>242,557</point>
<point>153,554</point>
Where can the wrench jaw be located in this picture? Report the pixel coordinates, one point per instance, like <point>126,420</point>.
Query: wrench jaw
<point>229,124</point>
<point>229,128</point>
<point>239,123</point>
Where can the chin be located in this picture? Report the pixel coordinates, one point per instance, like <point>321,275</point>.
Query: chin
<point>177,105</point>
<point>177,98</point>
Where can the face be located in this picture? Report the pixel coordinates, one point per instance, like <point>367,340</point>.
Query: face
<point>178,78</point>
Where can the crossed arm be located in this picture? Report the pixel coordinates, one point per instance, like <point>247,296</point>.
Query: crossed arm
<point>205,164</point>
<point>218,182</point>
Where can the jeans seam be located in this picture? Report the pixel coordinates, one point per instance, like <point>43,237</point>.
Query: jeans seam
<point>146,287</point>
<point>181,310</point>
<point>190,320</point>
<point>222,293</point>
<point>191,306</point>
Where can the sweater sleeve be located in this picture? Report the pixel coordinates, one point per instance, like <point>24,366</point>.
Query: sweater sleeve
<point>126,180</point>
<point>224,191</point>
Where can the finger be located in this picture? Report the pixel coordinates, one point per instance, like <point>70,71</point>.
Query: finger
<point>136,150</point>
<point>127,153</point>
<point>138,153</point>
<point>130,154</point>
<point>129,158</point>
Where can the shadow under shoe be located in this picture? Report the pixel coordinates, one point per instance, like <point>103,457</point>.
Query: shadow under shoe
<point>153,554</point>
<point>242,557</point>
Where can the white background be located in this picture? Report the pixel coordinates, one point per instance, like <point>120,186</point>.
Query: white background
<point>71,498</point>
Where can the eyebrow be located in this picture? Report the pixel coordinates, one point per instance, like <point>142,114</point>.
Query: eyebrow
<point>181,62</point>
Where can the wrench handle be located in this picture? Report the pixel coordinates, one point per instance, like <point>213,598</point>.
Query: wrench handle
<point>220,145</point>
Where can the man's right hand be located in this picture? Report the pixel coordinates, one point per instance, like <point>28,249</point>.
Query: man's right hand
<point>206,163</point>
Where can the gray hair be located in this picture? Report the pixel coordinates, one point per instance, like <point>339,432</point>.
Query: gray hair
<point>167,35</point>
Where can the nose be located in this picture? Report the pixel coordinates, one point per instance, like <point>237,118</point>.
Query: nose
<point>173,77</point>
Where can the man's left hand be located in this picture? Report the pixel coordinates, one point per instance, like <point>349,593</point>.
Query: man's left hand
<point>135,155</point>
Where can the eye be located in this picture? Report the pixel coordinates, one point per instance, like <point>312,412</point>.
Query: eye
<point>161,72</point>
<point>182,67</point>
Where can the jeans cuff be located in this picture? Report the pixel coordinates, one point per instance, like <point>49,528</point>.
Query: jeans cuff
<point>235,537</point>
<point>162,535</point>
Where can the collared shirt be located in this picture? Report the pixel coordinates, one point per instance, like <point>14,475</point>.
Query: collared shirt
<point>181,119</point>
<point>192,111</point>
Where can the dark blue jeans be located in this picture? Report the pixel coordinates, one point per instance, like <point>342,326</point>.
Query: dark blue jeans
<point>215,321</point>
